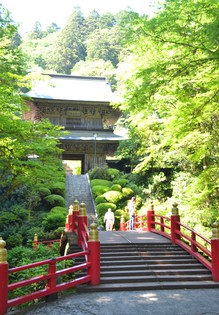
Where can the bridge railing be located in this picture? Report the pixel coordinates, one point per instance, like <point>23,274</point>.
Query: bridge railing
<point>50,278</point>
<point>204,250</point>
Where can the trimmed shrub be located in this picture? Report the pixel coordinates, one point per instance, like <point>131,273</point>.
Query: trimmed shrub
<point>43,191</point>
<point>116,187</point>
<point>54,221</point>
<point>99,190</point>
<point>98,172</point>
<point>58,188</point>
<point>122,182</point>
<point>127,192</point>
<point>118,213</point>
<point>112,172</point>
<point>55,200</point>
<point>113,196</point>
<point>103,207</point>
<point>58,209</point>
<point>100,182</point>
<point>100,199</point>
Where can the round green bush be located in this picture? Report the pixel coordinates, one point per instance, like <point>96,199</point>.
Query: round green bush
<point>99,190</point>
<point>103,207</point>
<point>116,187</point>
<point>127,192</point>
<point>118,213</point>
<point>55,200</point>
<point>59,209</point>
<point>98,172</point>
<point>53,221</point>
<point>122,182</point>
<point>100,199</point>
<point>100,182</point>
<point>58,188</point>
<point>43,191</point>
<point>113,196</point>
<point>112,172</point>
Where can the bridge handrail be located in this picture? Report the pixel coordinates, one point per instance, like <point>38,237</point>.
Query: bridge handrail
<point>203,249</point>
<point>90,250</point>
<point>162,224</point>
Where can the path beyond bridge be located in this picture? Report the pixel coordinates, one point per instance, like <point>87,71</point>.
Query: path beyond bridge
<point>128,237</point>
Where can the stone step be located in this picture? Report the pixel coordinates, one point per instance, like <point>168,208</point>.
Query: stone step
<point>150,266</point>
<point>137,286</point>
<point>155,278</point>
<point>149,261</point>
<point>139,272</point>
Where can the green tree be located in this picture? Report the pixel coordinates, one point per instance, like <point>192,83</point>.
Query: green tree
<point>36,32</point>
<point>171,91</point>
<point>104,44</point>
<point>69,46</point>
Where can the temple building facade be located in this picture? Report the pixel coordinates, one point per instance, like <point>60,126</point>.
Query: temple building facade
<point>82,105</point>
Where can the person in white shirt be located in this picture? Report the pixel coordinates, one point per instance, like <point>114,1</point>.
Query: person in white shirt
<point>109,220</point>
<point>132,212</point>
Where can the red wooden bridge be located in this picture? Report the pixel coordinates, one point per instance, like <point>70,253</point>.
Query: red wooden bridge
<point>162,253</point>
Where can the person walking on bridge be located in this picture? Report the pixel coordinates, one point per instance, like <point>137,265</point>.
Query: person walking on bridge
<point>109,220</point>
<point>132,212</point>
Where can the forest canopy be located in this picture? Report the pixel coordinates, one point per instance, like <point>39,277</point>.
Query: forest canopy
<point>164,67</point>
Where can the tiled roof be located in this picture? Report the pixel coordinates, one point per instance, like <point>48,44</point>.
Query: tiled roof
<point>73,88</point>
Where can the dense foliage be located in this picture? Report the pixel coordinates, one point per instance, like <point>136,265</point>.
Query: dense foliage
<point>169,83</point>
<point>165,68</point>
<point>29,153</point>
<point>113,189</point>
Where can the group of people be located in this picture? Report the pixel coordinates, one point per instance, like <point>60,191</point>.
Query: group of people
<point>109,218</point>
<point>69,239</point>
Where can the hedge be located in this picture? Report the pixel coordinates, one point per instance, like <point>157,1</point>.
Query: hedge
<point>99,190</point>
<point>113,196</point>
<point>103,207</point>
<point>100,182</point>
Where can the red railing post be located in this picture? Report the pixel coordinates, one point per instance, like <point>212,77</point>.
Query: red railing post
<point>75,215</point>
<point>94,255</point>
<point>193,245</point>
<point>82,218</point>
<point>122,224</point>
<point>3,278</point>
<point>35,242</point>
<point>215,251</point>
<point>51,282</point>
<point>69,219</point>
<point>175,218</point>
<point>150,217</point>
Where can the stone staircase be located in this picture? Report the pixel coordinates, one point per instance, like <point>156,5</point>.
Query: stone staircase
<point>130,267</point>
<point>78,188</point>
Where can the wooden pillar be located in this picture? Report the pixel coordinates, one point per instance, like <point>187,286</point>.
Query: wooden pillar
<point>82,221</point>
<point>3,278</point>
<point>75,215</point>
<point>94,254</point>
<point>122,224</point>
<point>35,241</point>
<point>174,225</point>
<point>150,217</point>
<point>215,251</point>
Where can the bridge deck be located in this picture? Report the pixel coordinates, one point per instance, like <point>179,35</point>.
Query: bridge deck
<point>123,237</point>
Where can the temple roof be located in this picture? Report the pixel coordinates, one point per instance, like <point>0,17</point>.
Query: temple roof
<point>73,88</point>
<point>86,135</point>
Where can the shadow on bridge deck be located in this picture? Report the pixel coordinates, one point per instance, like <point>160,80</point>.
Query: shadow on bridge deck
<point>124,237</point>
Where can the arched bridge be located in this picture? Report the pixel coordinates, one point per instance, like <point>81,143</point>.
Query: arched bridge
<point>162,253</point>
